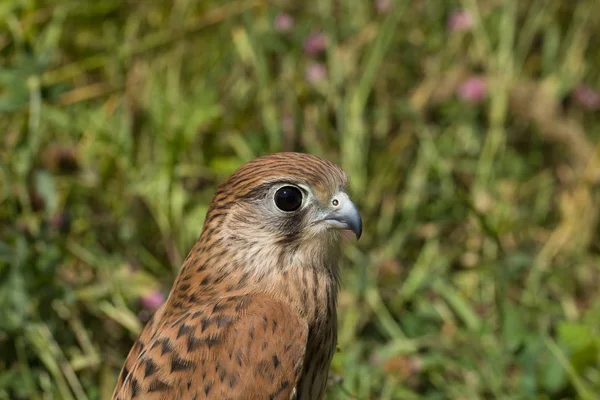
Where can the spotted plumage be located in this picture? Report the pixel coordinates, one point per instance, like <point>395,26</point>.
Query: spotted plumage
<point>252,313</point>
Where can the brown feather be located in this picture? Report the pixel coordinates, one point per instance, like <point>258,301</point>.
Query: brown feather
<point>252,312</point>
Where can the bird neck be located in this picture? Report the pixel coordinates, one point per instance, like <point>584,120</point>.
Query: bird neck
<point>305,277</point>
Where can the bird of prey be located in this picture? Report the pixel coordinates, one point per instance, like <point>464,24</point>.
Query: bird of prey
<point>252,312</point>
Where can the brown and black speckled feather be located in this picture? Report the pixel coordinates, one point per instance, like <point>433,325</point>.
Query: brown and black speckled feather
<point>252,312</point>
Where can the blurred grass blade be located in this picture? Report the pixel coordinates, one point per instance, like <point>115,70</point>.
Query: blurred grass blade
<point>51,355</point>
<point>354,146</point>
<point>459,305</point>
<point>251,54</point>
<point>123,316</point>
<point>580,386</point>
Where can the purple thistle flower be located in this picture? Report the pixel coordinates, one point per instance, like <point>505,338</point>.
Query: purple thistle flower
<point>383,6</point>
<point>461,21</point>
<point>472,90</point>
<point>315,43</point>
<point>153,300</point>
<point>315,73</point>
<point>284,22</point>
<point>587,97</point>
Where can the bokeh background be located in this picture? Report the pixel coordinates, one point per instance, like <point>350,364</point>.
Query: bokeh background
<point>469,129</point>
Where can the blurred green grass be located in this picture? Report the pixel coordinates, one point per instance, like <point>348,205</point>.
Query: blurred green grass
<point>472,147</point>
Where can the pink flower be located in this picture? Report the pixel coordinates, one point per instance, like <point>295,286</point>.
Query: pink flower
<point>461,21</point>
<point>284,22</point>
<point>153,300</point>
<point>473,90</point>
<point>587,97</point>
<point>315,43</point>
<point>315,73</point>
<point>383,6</point>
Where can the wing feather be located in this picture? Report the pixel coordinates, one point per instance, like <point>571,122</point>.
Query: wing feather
<point>249,347</point>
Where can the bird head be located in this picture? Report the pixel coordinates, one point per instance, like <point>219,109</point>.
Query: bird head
<point>284,203</point>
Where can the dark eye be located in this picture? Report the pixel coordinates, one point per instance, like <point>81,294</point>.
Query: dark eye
<point>288,198</point>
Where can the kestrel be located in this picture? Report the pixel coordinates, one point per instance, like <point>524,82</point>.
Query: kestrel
<point>252,312</point>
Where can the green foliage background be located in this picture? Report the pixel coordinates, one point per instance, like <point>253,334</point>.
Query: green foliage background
<point>478,273</point>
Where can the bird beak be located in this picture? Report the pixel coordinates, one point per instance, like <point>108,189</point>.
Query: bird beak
<point>345,216</point>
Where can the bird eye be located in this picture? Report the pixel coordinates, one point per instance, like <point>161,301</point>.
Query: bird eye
<point>288,198</point>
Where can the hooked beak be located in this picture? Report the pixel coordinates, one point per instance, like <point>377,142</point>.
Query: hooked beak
<point>345,216</point>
